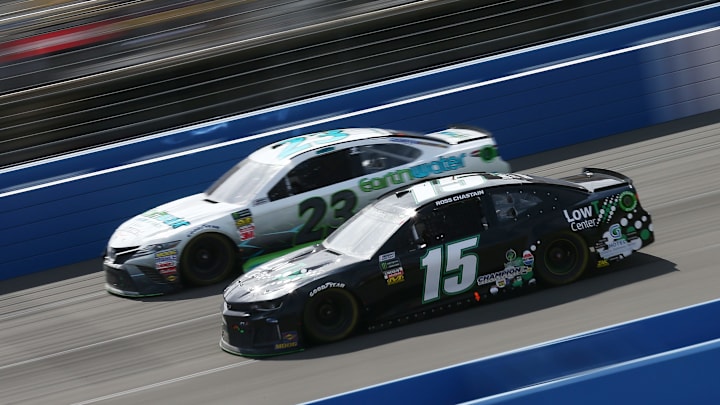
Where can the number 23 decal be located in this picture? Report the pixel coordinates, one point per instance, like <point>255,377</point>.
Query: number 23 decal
<point>343,202</point>
<point>450,269</point>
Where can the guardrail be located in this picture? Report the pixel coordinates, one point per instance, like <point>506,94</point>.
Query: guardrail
<point>61,211</point>
<point>645,361</point>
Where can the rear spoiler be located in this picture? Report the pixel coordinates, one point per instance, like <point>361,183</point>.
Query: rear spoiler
<point>595,179</point>
<point>590,171</point>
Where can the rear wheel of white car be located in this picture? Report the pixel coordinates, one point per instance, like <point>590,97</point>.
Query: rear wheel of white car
<point>207,259</point>
<point>331,315</point>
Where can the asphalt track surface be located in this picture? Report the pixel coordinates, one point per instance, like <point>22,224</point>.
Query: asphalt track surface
<point>64,340</point>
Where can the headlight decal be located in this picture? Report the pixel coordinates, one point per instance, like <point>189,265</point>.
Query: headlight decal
<point>156,247</point>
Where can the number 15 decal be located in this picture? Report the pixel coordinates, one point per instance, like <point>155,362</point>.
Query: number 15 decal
<point>450,269</point>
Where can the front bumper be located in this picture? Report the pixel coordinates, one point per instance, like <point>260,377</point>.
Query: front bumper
<point>259,335</point>
<point>129,280</point>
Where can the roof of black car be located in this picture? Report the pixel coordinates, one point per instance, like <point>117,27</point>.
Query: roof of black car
<point>474,184</point>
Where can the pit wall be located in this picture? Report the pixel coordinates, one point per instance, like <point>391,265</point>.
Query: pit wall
<point>640,362</point>
<point>61,211</point>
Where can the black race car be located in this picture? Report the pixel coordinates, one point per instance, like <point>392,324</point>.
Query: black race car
<point>442,243</point>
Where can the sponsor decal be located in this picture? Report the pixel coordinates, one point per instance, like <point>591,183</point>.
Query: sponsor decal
<point>599,212</point>
<point>329,284</point>
<point>627,201</point>
<point>528,258</point>
<point>581,218</point>
<point>261,201</point>
<point>602,263</point>
<point>244,224</point>
<point>166,263</point>
<point>394,276</point>
<point>619,245</point>
<point>623,238</point>
<point>405,140</point>
<point>290,271</point>
<point>518,272</point>
<point>442,165</point>
<point>459,197</point>
<point>293,146</point>
<point>166,253</point>
<point>499,277</point>
<point>165,218</point>
<point>200,228</point>
<point>289,340</point>
<point>456,135</point>
<point>487,153</point>
<point>391,267</point>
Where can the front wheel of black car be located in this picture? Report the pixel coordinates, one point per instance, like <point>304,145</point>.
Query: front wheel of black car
<point>331,315</point>
<point>207,259</point>
<point>562,259</point>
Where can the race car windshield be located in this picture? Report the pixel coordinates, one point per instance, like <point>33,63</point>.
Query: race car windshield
<point>242,183</point>
<point>364,233</point>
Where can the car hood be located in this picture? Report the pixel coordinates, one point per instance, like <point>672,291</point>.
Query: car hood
<point>166,222</point>
<point>283,275</point>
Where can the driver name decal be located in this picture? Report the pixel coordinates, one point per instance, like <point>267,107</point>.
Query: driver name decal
<point>459,197</point>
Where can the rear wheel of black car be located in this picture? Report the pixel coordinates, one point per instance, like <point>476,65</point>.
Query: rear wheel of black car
<point>331,315</point>
<point>207,259</point>
<point>562,259</point>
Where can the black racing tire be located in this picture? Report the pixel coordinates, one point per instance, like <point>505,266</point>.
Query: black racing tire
<point>562,259</point>
<point>330,315</point>
<point>208,259</point>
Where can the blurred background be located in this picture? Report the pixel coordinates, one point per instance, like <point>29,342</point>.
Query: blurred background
<point>79,74</point>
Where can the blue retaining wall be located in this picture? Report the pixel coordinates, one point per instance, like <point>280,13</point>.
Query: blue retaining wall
<point>683,376</point>
<point>61,211</point>
<point>640,362</point>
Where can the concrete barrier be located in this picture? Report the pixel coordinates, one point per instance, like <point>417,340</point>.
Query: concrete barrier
<point>63,210</point>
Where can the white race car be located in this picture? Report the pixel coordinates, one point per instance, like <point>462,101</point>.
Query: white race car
<point>289,194</point>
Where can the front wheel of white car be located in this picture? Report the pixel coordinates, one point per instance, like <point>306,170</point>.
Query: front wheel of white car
<point>207,259</point>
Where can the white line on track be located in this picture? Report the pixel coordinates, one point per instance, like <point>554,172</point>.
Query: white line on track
<point>104,342</point>
<point>166,382</point>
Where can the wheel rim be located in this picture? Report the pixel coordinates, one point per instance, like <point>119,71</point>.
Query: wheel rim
<point>208,260</point>
<point>561,257</point>
<point>331,314</point>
